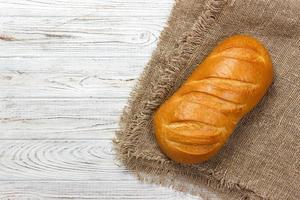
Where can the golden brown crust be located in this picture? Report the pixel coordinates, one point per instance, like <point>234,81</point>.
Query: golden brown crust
<point>197,120</point>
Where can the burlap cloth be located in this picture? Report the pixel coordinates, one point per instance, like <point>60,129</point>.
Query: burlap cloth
<point>261,160</point>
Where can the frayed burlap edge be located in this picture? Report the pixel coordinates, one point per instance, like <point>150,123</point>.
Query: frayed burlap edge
<point>144,167</point>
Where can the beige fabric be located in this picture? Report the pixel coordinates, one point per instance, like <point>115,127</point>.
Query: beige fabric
<point>262,157</point>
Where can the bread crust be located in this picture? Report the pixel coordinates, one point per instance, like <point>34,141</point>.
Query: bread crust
<point>197,120</point>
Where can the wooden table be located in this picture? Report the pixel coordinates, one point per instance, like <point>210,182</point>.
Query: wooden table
<point>67,67</point>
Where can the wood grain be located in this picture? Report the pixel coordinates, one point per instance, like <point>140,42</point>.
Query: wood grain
<point>76,78</point>
<point>66,70</point>
<point>62,118</point>
<point>74,160</point>
<point>96,37</point>
<point>92,190</point>
<point>64,85</point>
<point>75,8</point>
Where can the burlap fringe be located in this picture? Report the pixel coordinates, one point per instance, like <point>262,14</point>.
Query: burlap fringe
<point>148,173</point>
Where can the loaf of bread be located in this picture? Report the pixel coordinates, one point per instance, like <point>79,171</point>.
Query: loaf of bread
<point>194,123</point>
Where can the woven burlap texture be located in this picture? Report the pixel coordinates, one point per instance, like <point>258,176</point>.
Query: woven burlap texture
<point>261,160</point>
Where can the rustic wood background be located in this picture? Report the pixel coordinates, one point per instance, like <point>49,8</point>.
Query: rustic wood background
<point>67,67</point>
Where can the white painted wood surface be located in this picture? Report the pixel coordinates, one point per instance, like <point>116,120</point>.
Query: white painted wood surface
<point>66,70</point>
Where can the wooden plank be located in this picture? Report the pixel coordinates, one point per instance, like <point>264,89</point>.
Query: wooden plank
<point>67,118</point>
<point>92,37</point>
<point>63,77</point>
<point>77,8</point>
<point>92,29</point>
<point>14,84</point>
<point>51,108</point>
<point>106,67</point>
<point>87,190</point>
<point>75,160</point>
